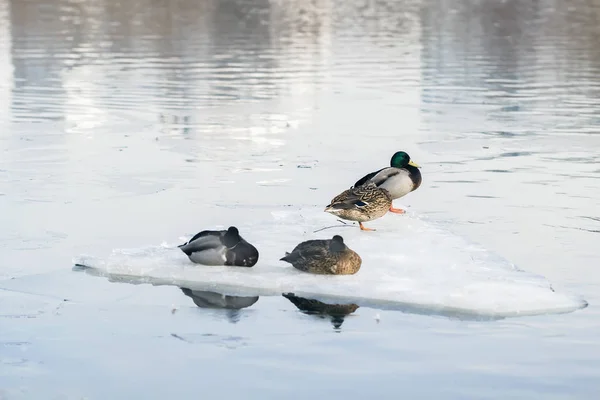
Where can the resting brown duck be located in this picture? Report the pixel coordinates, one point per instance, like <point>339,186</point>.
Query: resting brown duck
<point>324,257</point>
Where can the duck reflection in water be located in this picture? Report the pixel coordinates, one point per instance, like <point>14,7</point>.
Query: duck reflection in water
<point>337,312</point>
<point>207,299</point>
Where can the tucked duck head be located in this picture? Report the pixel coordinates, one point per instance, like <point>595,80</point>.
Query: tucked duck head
<point>401,159</point>
<point>337,243</point>
<point>232,237</point>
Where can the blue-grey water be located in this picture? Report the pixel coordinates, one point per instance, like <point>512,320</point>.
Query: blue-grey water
<point>123,124</point>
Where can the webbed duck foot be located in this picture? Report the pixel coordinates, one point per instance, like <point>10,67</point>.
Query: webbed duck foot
<point>397,210</point>
<point>364,228</point>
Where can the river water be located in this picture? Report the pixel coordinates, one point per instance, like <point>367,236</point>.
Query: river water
<point>126,123</point>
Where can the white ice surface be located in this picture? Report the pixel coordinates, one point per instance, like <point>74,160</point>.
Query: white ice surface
<point>408,264</point>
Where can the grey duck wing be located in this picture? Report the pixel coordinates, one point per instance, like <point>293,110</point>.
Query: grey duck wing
<point>201,243</point>
<point>386,173</point>
<point>367,177</point>
<point>205,233</point>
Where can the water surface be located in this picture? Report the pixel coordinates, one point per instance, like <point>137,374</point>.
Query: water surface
<point>123,124</point>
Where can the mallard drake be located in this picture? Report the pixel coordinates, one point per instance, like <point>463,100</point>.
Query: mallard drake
<point>361,203</point>
<point>324,257</point>
<point>220,248</point>
<point>400,178</point>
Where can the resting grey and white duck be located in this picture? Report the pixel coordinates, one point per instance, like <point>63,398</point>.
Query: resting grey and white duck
<point>220,248</point>
<point>400,178</point>
<point>324,257</point>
